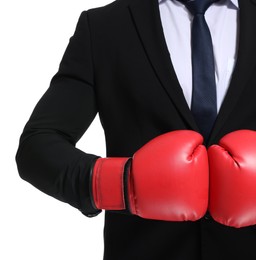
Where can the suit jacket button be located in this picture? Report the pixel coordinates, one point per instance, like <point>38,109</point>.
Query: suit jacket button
<point>207,216</point>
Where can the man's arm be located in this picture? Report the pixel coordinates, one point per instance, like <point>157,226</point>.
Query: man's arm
<point>47,156</point>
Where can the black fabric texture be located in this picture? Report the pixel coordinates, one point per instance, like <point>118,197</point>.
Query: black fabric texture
<point>117,64</point>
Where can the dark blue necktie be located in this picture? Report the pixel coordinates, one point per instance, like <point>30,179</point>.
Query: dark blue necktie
<point>204,104</point>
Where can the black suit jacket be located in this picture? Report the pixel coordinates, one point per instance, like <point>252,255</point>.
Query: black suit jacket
<point>117,64</point>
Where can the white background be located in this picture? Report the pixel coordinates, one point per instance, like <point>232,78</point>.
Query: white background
<point>33,38</point>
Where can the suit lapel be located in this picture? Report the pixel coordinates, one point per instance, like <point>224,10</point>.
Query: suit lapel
<point>146,17</point>
<point>246,61</point>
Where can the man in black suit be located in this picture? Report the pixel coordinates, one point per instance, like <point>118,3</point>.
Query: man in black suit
<point>118,64</point>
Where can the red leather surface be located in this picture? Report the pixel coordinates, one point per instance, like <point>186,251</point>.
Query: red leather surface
<point>233,179</point>
<point>107,183</point>
<point>169,178</point>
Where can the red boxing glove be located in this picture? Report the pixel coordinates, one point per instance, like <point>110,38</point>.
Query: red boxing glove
<point>232,165</point>
<point>166,180</point>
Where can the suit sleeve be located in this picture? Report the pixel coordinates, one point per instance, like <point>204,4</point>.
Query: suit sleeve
<point>47,157</point>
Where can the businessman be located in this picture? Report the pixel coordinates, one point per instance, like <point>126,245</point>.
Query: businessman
<point>174,84</point>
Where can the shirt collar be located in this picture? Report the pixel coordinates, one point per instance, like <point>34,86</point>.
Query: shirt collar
<point>234,2</point>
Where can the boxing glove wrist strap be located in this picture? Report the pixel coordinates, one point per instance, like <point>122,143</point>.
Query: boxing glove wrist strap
<point>107,180</point>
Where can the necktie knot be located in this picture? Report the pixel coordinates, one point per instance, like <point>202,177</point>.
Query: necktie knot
<point>197,6</point>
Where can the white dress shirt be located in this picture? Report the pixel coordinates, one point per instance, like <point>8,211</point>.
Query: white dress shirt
<point>222,20</point>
